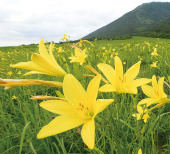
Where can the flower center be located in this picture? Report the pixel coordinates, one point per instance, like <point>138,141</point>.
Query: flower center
<point>122,80</point>
<point>84,111</point>
<point>156,92</point>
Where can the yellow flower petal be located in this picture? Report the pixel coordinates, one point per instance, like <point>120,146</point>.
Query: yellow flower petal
<point>88,133</point>
<point>145,117</point>
<point>156,106</point>
<point>92,91</point>
<point>44,54</point>
<point>59,107</point>
<point>134,90</point>
<point>160,83</point>
<point>118,72</point>
<point>132,72</point>
<point>33,72</point>
<point>155,85</point>
<point>40,61</point>
<point>137,115</point>
<point>101,104</point>
<point>149,91</point>
<point>8,83</point>
<point>140,109</point>
<point>42,49</point>
<point>60,124</point>
<point>107,88</point>
<point>51,50</point>
<point>108,71</point>
<point>147,101</point>
<point>73,90</point>
<point>32,66</point>
<point>161,101</point>
<point>77,52</point>
<point>138,82</point>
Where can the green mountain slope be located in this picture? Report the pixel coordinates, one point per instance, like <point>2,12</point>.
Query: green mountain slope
<point>135,21</point>
<point>162,29</point>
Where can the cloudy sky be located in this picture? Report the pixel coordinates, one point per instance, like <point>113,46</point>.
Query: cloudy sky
<point>27,21</point>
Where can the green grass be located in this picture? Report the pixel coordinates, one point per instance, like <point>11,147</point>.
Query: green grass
<point>21,119</point>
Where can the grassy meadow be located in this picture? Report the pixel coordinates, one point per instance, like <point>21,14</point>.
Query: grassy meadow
<point>117,131</point>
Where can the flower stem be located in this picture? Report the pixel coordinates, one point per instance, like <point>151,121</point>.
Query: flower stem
<point>97,150</point>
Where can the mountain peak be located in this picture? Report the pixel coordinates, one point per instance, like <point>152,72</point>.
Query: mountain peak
<point>134,22</point>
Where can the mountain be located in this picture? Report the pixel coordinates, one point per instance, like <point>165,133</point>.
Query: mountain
<point>162,29</point>
<point>134,22</point>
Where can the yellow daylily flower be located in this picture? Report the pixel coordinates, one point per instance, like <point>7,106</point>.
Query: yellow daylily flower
<point>14,97</point>
<point>140,115</point>
<point>9,83</point>
<point>155,93</point>
<point>154,64</point>
<point>60,50</point>
<point>121,83</point>
<point>64,38</point>
<point>79,56</point>
<point>154,53</point>
<point>19,72</point>
<point>9,73</point>
<point>80,107</point>
<point>43,63</point>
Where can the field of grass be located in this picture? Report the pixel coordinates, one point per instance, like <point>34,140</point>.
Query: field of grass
<point>117,131</point>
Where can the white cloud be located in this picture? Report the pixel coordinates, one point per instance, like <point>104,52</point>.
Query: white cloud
<point>24,22</point>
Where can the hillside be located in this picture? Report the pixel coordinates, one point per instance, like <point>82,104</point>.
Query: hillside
<point>135,21</point>
<point>162,29</point>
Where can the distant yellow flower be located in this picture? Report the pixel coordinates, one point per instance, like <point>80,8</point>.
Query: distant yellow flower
<point>14,97</point>
<point>155,93</point>
<point>64,38</point>
<point>116,53</point>
<point>140,151</point>
<point>79,56</point>
<point>60,50</point>
<point>124,63</point>
<point>19,72</point>
<point>80,107</point>
<point>10,73</point>
<point>154,64</point>
<point>43,63</point>
<point>154,53</point>
<point>113,50</point>
<point>141,114</point>
<point>145,117</point>
<point>121,83</point>
<point>103,48</point>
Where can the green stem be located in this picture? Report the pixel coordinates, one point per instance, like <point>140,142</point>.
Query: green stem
<point>97,150</point>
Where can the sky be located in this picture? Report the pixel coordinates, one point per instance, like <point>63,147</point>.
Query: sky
<point>27,21</point>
